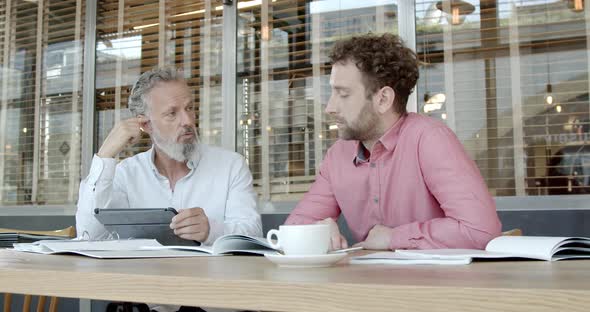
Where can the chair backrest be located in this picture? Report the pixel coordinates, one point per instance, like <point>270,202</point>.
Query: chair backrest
<point>28,299</point>
<point>67,232</point>
<point>42,300</point>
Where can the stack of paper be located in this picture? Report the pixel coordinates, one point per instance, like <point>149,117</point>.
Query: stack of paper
<point>400,258</point>
<point>150,248</point>
<point>107,249</point>
<point>8,239</point>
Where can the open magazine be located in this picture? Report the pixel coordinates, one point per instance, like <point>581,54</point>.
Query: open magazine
<point>149,248</point>
<point>529,247</point>
<point>227,244</point>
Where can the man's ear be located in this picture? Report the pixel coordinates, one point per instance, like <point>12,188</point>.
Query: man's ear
<point>384,99</point>
<point>145,124</point>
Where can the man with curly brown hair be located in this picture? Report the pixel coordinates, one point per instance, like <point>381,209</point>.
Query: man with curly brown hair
<point>401,180</point>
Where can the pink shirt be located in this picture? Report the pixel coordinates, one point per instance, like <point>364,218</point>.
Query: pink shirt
<point>418,180</point>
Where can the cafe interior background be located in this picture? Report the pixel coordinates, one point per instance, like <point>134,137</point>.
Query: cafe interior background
<point>509,77</point>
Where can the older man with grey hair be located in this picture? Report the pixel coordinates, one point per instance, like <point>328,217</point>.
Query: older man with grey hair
<point>210,187</point>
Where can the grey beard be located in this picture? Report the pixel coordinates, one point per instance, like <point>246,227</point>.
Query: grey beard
<point>178,151</point>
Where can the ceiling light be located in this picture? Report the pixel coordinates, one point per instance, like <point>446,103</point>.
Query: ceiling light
<point>189,13</point>
<point>145,26</point>
<point>435,102</point>
<point>549,95</point>
<point>458,10</point>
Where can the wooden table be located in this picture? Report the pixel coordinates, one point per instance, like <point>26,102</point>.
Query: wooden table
<point>255,283</point>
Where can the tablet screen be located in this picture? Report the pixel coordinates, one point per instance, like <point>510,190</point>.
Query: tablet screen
<point>133,216</point>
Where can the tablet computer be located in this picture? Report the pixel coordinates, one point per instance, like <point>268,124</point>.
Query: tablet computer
<point>141,223</point>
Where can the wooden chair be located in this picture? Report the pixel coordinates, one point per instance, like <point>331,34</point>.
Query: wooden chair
<point>69,232</point>
<point>42,300</point>
<point>513,232</point>
<point>28,299</point>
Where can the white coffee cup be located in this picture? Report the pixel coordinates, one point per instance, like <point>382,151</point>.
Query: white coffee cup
<point>310,239</point>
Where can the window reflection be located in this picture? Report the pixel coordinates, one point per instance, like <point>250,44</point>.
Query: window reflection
<point>496,70</point>
<point>41,102</point>
<point>487,74</point>
<point>109,51</point>
<point>283,75</point>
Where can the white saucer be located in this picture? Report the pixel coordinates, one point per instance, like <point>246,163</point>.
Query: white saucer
<point>306,261</point>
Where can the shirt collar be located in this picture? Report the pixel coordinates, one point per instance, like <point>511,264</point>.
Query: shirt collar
<point>388,140</point>
<point>390,137</point>
<point>191,164</point>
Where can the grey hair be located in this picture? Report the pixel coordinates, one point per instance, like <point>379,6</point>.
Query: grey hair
<point>145,83</point>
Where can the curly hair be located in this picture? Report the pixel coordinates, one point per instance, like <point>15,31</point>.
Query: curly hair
<point>384,61</point>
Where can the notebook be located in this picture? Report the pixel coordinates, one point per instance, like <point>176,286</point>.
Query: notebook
<point>389,257</point>
<point>148,248</point>
<point>528,247</point>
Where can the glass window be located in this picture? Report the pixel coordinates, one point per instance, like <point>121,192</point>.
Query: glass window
<point>136,36</point>
<point>41,55</point>
<point>283,84</point>
<point>511,79</point>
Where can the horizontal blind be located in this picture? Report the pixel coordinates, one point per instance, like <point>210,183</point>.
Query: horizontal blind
<point>3,29</point>
<point>4,37</point>
<point>196,48</point>
<point>554,54</point>
<point>19,103</point>
<point>126,46</point>
<point>41,56</point>
<point>61,102</point>
<point>283,84</point>
<point>493,67</point>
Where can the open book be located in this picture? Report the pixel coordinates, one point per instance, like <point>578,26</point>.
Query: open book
<point>148,248</point>
<point>227,244</point>
<point>529,247</point>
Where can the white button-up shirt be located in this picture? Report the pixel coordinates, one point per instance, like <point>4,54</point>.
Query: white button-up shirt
<point>219,182</point>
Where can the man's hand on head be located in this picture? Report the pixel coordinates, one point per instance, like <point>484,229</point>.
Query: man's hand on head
<point>337,240</point>
<point>126,132</point>
<point>379,238</point>
<point>191,224</point>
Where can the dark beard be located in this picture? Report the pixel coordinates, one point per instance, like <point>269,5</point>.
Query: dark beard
<point>366,127</point>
